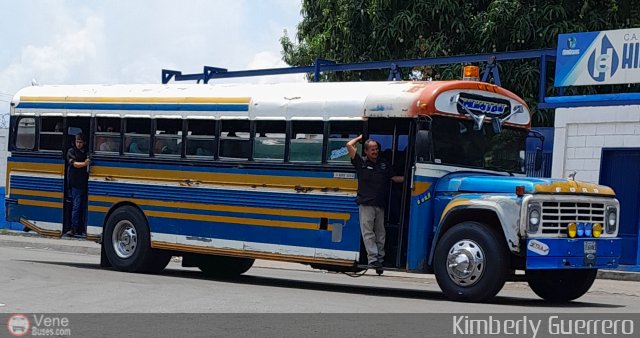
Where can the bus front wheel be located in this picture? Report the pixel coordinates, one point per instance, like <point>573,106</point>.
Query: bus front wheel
<point>471,262</point>
<point>127,243</point>
<point>561,286</point>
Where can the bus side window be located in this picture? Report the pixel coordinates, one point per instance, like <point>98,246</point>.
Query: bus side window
<point>107,135</point>
<point>269,141</point>
<point>306,141</point>
<point>234,139</point>
<point>26,133</point>
<point>168,137</point>
<point>340,132</point>
<point>51,133</point>
<point>201,137</point>
<point>137,135</point>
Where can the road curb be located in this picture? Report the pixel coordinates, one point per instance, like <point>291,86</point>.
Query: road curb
<point>619,275</point>
<point>63,247</point>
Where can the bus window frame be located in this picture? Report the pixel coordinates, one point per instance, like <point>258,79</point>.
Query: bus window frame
<point>13,136</point>
<point>186,137</point>
<point>96,134</point>
<point>156,137</point>
<point>61,134</point>
<point>125,134</point>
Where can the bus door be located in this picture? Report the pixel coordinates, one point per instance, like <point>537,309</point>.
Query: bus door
<point>393,136</point>
<point>74,126</point>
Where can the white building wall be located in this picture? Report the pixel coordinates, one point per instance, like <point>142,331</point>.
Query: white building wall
<point>581,133</point>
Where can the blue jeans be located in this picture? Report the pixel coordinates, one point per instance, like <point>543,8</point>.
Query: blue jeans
<point>77,198</point>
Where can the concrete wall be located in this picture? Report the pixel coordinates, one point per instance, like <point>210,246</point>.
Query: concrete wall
<point>3,165</point>
<point>581,133</point>
<point>4,138</point>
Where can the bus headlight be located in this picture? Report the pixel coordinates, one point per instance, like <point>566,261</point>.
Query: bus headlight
<point>534,218</point>
<point>580,229</point>
<point>611,221</point>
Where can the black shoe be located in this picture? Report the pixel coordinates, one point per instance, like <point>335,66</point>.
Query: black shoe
<point>26,229</point>
<point>69,233</point>
<point>375,265</point>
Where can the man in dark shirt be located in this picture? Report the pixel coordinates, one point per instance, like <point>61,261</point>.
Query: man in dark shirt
<point>374,174</point>
<point>78,175</point>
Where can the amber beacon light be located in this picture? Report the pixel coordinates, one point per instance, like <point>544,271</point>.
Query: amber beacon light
<point>471,73</point>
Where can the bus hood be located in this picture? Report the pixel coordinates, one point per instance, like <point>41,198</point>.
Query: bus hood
<point>482,183</point>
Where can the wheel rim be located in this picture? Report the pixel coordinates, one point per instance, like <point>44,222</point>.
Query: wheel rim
<point>124,239</point>
<point>465,263</point>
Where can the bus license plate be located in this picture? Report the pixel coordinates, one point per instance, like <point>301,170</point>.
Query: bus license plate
<point>589,247</point>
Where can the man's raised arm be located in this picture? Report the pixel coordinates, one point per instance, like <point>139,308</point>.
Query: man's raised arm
<point>351,146</point>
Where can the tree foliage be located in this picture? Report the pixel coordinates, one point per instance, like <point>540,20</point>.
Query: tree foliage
<point>349,31</point>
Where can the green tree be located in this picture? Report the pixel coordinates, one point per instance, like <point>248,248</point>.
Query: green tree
<point>349,31</point>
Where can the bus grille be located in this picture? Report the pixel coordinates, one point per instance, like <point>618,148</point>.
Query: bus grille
<point>556,216</point>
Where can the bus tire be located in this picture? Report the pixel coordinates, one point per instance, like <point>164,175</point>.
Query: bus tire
<point>561,286</point>
<point>223,266</point>
<point>127,243</point>
<point>471,262</point>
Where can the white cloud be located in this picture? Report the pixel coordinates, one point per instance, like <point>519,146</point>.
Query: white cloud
<point>94,41</point>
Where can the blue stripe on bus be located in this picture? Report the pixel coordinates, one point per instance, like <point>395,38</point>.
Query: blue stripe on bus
<point>221,170</point>
<point>133,106</point>
<point>247,215</point>
<point>258,234</point>
<point>191,168</point>
<point>251,233</point>
<point>36,198</point>
<point>197,195</point>
<point>256,198</point>
<point>40,213</point>
<point>21,159</point>
<point>37,183</point>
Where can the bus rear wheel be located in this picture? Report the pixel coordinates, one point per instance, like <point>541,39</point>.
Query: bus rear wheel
<point>561,286</point>
<point>470,262</point>
<point>223,266</point>
<point>127,243</point>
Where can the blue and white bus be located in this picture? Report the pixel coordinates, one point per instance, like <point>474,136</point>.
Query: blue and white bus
<point>225,174</point>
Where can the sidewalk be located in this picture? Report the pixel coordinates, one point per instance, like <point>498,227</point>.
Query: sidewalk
<point>34,241</point>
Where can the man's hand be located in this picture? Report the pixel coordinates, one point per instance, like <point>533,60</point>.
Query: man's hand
<point>351,146</point>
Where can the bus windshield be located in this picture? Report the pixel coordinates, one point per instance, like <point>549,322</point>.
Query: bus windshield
<point>456,143</point>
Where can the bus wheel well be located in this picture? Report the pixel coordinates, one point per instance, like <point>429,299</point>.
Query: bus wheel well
<point>116,207</point>
<point>488,217</point>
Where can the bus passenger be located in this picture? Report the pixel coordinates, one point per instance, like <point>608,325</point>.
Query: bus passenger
<point>78,161</point>
<point>374,174</point>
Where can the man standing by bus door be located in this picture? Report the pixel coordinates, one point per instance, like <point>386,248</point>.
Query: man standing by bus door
<point>374,174</point>
<point>78,176</point>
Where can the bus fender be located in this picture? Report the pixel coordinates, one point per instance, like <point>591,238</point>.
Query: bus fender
<point>504,210</point>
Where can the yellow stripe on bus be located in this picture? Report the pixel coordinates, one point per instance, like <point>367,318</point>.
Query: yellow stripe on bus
<point>292,182</point>
<point>242,100</point>
<point>57,205</point>
<point>223,219</point>
<point>247,253</point>
<point>178,176</point>
<point>46,168</point>
<point>225,208</point>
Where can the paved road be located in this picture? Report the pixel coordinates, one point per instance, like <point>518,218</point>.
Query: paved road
<point>38,280</point>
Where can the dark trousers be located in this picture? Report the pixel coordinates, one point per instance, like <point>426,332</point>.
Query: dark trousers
<point>77,212</point>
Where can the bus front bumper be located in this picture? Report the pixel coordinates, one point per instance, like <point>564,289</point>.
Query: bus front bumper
<point>573,253</point>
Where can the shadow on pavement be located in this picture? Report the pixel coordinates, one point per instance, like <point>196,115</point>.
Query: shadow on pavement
<point>376,291</point>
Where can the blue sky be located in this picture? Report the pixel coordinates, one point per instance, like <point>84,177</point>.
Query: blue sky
<point>109,41</point>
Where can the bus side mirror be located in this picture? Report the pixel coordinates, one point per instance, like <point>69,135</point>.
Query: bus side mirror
<point>423,145</point>
<point>538,160</point>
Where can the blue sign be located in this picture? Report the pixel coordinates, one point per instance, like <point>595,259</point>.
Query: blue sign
<point>594,58</point>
